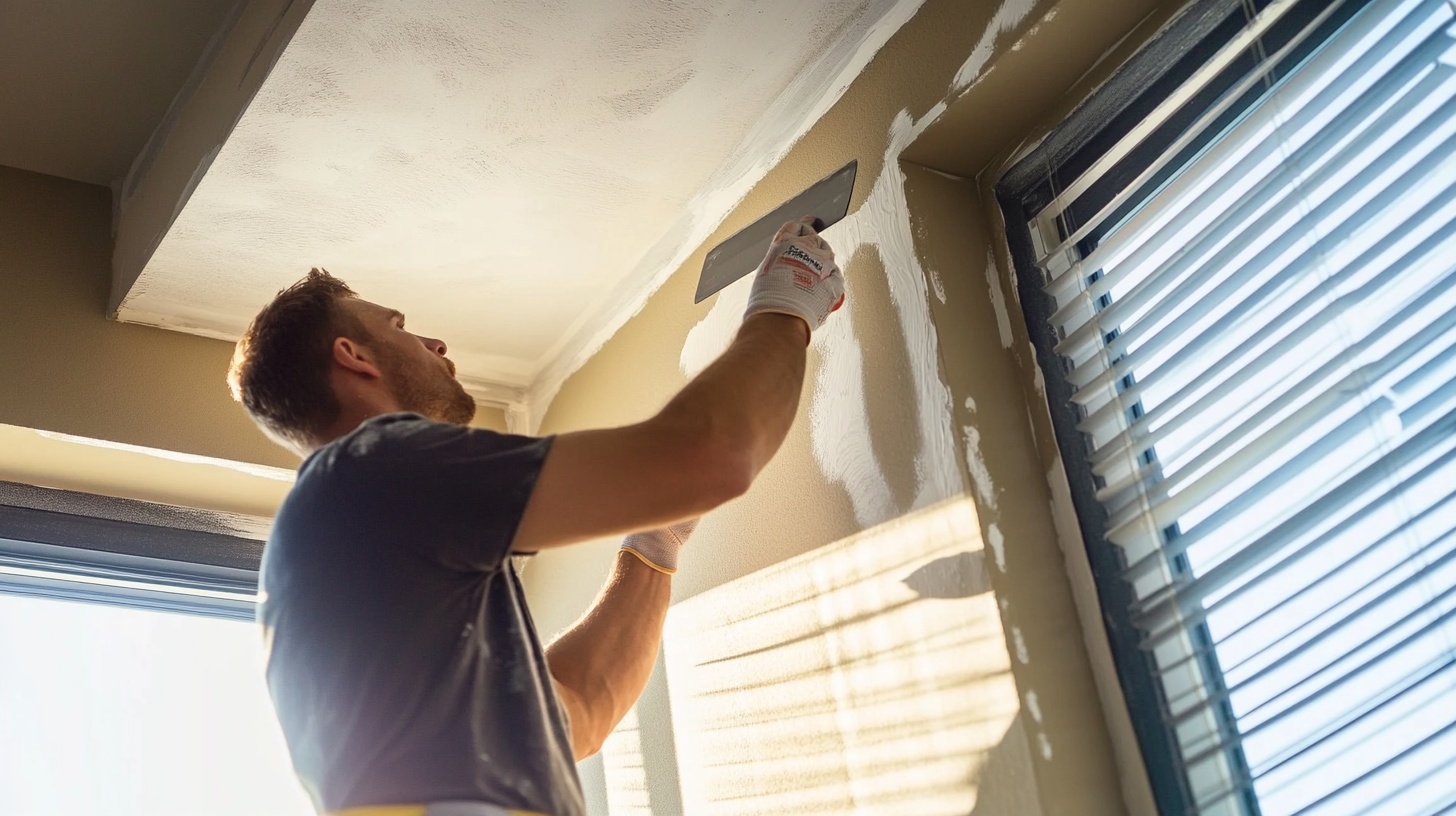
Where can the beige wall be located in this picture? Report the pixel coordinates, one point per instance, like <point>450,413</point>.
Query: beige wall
<point>928,369</point>
<point>66,369</point>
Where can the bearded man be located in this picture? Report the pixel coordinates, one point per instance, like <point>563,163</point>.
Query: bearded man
<point>402,660</point>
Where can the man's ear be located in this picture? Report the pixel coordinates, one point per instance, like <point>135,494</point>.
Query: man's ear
<point>355,358</point>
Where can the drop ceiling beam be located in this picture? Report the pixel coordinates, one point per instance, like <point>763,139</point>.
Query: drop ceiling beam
<point>201,118</point>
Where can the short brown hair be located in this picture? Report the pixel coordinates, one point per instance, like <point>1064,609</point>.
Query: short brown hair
<point>280,367</point>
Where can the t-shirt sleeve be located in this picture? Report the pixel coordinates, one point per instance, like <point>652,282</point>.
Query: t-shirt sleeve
<point>467,487</point>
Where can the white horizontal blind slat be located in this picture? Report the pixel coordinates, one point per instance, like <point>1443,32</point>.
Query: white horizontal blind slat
<point>1256,443</point>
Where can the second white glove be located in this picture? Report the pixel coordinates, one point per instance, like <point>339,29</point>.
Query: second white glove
<point>798,276</point>
<point>658,548</point>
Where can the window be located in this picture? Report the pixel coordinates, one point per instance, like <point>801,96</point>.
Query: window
<point>1238,263</point>
<point>131,683</point>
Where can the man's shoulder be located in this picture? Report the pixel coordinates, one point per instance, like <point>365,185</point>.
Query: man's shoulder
<point>382,436</point>
<point>386,432</point>
<point>342,463</point>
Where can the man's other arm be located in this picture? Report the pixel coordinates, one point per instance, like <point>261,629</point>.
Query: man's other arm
<point>601,664</point>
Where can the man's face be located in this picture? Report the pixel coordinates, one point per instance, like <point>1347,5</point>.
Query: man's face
<point>416,370</point>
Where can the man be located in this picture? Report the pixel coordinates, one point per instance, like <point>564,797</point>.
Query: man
<point>402,660</point>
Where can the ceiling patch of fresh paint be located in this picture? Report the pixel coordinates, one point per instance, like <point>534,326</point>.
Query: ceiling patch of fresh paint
<point>509,174</point>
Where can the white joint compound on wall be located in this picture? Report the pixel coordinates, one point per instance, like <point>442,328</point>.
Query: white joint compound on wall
<point>997,542</point>
<point>998,299</point>
<point>1033,706</point>
<point>936,284</point>
<point>1018,641</point>
<point>976,465</point>
<point>838,413</point>
<point>1008,16</point>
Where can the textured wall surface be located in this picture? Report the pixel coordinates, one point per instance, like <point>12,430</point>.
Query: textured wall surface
<point>66,368</point>
<point>499,171</point>
<point>919,396</point>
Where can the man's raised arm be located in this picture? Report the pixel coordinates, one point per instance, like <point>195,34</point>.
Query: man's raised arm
<point>711,440</point>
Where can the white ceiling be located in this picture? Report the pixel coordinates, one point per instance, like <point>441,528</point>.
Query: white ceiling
<point>501,171</point>
<point>86,81</point>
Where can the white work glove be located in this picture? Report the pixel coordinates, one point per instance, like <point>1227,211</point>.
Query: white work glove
<point>658,548</point>
<point>798,276</point>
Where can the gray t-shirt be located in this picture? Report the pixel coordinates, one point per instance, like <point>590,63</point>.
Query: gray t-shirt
<point>402,660</point>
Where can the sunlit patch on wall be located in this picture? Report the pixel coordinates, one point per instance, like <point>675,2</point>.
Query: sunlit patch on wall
<point>870,675</point>
<point>625,770</point>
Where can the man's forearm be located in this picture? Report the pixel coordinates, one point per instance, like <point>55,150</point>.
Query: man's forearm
<point>750,394</point>
<point>605,659</point>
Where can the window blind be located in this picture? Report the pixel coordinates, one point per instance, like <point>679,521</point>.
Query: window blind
<point>1257,326</point>
<point>94,576</point>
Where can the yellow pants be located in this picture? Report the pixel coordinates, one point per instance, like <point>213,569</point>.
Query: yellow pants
<point>423,810</point>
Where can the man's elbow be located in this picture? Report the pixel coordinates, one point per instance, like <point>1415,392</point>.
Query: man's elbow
<point>723,469</point>
<point>584,720</point>
<point>712,464</point>
<point>586,746</point>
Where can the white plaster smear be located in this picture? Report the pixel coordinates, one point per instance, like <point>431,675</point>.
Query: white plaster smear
<point>981,480</point>
<point>1008,16</point>
<point>884,221</point>
<point>997,542</point>
<point>838,415</point>
<point>1018,641</point>
<point>998,299</point>
<point>937,284</point>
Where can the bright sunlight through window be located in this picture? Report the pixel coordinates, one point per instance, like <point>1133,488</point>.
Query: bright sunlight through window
<point>112,711</point>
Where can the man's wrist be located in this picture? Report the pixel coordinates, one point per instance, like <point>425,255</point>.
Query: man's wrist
<point>782,321</point>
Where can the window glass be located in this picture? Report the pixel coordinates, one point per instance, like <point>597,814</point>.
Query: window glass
<point>113,711</point>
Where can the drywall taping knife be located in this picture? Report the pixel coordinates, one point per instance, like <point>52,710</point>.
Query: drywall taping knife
<point>827,200</point>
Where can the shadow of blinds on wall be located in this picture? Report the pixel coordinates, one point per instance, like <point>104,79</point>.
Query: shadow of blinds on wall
<point>1251,296</point>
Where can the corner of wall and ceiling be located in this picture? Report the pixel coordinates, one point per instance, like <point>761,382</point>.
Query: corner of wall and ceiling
<point>513,401</point>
